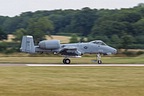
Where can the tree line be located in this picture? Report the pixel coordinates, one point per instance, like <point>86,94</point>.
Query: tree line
<point>121,28</point>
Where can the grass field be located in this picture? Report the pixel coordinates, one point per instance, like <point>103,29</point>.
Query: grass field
<point>83,60</point>
<point>71,81</point>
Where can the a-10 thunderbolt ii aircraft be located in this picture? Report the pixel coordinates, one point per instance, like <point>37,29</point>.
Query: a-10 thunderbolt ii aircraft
<point>67,50</point>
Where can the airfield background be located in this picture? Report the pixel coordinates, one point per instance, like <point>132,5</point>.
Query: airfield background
<point>122,29</point>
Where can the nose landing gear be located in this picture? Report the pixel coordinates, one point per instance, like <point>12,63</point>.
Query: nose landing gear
<point>99,58</point>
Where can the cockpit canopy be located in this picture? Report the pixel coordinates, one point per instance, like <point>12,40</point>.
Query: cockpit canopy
<point>99,42</point>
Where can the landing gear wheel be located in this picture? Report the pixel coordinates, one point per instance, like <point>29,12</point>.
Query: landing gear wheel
<point>63,61</point>
<point>99,59</point>
<point>66,61</point>
<point>99,62</point>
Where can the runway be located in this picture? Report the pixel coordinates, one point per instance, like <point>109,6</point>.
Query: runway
<point>70,65</point>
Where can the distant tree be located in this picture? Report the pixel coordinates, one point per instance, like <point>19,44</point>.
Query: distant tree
<point>127,40</point>
<point>3,35</point>
<point>74,38</point>
<point>128,16</point>
<point>83,21</point>
<point>19,33</point>
<point>139,27</point>
<point>82,39</point>
<point>3,47</point>
<point>141,5</point>
<point>109,27</point>
<point>39,27</point>
<point>103,38</point>
<point>106,24</point>
<point>90,38</point>
<point>115,40</point>
<point>140,39</point>
<point>62,21</point>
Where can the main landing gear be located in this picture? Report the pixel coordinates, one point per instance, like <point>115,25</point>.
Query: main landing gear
<point>66,61</point>
<point>99,59</point>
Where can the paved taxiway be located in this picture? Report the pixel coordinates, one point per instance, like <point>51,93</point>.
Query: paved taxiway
<point>78,65</point>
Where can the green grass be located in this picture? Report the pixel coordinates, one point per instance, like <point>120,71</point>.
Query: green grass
<point>83,60</point>
<point>71,81</point>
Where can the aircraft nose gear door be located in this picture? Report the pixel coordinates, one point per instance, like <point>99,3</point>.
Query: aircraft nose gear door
<point>66,61</point>
<point>99,59</point>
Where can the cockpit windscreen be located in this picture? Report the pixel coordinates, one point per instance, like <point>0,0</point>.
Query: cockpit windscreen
<point>99,42</point>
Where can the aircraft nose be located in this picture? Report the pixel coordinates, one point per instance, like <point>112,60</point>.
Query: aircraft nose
<point>114,51</point>
<point>111,50</point>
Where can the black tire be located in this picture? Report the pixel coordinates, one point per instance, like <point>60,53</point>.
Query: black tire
<point>66,61</point>
<point>99,62</point>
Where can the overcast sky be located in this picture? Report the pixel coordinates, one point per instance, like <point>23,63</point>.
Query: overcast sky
<point>16,7</point>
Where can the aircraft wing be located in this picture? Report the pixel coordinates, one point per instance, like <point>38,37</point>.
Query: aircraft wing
<point>70,51</point>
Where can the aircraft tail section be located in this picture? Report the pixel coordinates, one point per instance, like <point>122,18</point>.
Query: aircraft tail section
<point>27,44</point>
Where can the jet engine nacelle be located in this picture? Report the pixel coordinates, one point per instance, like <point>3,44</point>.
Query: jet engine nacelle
<point>49,44</point>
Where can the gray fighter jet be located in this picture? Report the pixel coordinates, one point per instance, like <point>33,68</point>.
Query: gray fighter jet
<point>97,47</point>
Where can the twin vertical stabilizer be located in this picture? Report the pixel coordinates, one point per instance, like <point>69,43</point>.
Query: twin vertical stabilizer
<point>27,44</point>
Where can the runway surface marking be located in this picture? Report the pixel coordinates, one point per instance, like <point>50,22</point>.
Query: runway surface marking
<point>65,65</point>
<point>85,64</point>
<point>9,65</point>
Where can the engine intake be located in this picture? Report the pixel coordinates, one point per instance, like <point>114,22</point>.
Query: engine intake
<point>49,44</point>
